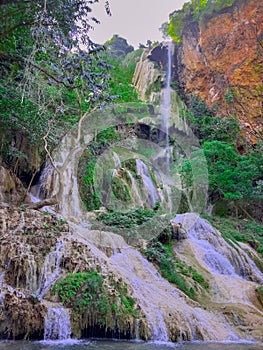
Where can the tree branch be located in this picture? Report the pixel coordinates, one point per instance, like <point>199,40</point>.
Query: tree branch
<point>47,150</point>
<point>43,70</point>
<point>10,30</point>
<point>43,203</point>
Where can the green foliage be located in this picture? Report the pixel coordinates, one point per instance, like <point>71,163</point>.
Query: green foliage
<point>127,219</point>
<point>229,96</point>
<point>87,293</point>
<point>117,47</point>
<point>237,230</point>
<point>122,70</point>
<point>47,80</point>
<point>86,170</point>
<point>120,189</point>
<point>214,6</point>
<point>259,291</point>
<point>79,286</point>
<point>175,27</point>
<point>193,11</point>
<point>174,271</point>
<point>206,126</point>
<point>231,175</point>
<point>120,83</point>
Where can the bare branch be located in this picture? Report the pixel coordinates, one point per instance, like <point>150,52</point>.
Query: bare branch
<point>43,203</point>
<point>47,150</point>
<point>41,69</point>
<point>10,30</point>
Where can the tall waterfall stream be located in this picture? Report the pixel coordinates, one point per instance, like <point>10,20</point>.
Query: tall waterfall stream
<point>167,310</point>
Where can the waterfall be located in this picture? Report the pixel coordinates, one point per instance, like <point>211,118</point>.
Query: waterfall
<point>137,337</point>
<point>21,225</point>
<point>170,314</point>
<point>117,161</point>
<point>50,270</point>
<point>127,263</point>
<point>57,324</point>
<point>163,304</point>
<point>135,191</point>
<point>2,293</point>
<point>2,278</point>
<point>4,286</point>
<point>24,252</point>
<point>214,253</point>
<point>42,188</point>
<point>151,192</point>
<point>166,104</point>
<point>2,274</point>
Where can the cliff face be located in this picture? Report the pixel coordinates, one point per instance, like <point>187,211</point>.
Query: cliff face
<point>221,61</point>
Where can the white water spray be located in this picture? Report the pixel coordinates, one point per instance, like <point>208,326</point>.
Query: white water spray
<point>57,324</point>
<point>143,171</point>
<point>50,270</point>
<point>166,105</point>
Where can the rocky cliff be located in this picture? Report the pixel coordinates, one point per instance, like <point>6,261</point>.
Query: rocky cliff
<point>35,245</point>
<point>42,257</point>
<point>220,60</point>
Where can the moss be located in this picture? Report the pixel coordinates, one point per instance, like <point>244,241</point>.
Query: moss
<point>90,297</point>
<point>121,189</point>
<point>126,220</point>
<point>174,271</point>
<point>259,291</point>
<point>130,164</point>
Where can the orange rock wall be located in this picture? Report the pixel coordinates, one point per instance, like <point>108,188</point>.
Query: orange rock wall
<point>224,56</point>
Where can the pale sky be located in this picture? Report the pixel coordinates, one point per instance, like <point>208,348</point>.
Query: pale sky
<point>135,20</point>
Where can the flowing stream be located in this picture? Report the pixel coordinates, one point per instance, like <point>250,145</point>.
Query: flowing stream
<point>57,325</point>
<point>214,253</point>
<point>150,189</point>
<point>50,270</point>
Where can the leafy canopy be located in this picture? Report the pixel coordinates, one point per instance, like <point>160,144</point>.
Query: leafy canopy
<point>51,72</point>
<point>195,11</point>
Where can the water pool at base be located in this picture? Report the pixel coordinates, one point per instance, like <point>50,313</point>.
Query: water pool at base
<point>119,345</point>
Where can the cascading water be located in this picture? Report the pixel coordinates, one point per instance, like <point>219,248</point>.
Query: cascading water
<point>117,161</point>
<point>57,324</point>
<point>216,255</point>
<point>50,270</point>
<point>233,275</point>
<point>169,313</point>
<point>30,275</point>
<point>163,303</point>
<point>143,171</point>
<point>166,104</point>
<point>44,184</point>
<point>137,198</point>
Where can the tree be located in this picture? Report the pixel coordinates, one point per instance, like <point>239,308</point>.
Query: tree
<point>232,176</point>
<point>51,72</point>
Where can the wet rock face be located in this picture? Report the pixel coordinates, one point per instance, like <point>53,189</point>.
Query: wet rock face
<point>221,61</point>
<point>29,243</point>
<point>11,189</point>
<point>21,318</point>
<point>26,237</point>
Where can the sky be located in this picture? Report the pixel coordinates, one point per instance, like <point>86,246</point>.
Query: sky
<point>135,20</point>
